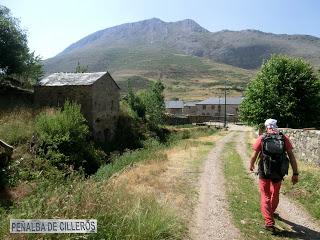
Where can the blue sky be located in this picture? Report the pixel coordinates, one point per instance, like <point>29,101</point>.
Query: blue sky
<point>53,25</point>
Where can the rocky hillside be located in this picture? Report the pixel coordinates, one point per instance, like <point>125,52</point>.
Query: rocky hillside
<point>181,53</point>
<point>245,49</point>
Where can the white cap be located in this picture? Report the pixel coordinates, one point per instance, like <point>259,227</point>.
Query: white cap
<point>271,123</point>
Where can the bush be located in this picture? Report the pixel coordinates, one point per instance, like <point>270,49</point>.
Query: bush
<point>129,133</point>
<point>63,139</point>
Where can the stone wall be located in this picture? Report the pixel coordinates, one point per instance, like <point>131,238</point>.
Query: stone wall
<point>174,111</point>
<point>11,97</point>
<point>190,110</point>
<point>55,96</point>
<point>306,144</point>
<point>105,109</point>
<point>176,120</point>
<point>216,109</point>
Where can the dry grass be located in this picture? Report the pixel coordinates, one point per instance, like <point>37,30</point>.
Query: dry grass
<point>306,191</point>
<point>174,180</point>
<point>151,199</point>
<point>120,214</point>
<point>194,86</point>
<point>16,126</point>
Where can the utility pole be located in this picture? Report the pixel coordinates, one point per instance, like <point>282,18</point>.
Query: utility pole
<point>219,109</point>
<point>225,104</point>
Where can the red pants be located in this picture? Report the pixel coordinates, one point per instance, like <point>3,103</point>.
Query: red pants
<point>269,199</point>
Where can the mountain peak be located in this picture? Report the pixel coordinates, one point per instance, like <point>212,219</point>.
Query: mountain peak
<point>245,48</point>
<point>155,20</point>
<point>149,30</point>
<point>190,25</point>
<point>150,21</point>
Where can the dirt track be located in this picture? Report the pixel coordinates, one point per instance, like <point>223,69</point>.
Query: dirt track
<point>212,219</point>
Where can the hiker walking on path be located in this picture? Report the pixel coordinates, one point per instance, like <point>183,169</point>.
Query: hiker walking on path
<point>273,149</point>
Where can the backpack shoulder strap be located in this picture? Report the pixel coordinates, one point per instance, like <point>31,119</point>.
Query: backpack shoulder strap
<point>264,135</point>
<point>281,135</point>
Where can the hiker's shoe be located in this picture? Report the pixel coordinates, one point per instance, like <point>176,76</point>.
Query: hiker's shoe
<point>270,228</point>
<point>274,230</point>
<point>276,216</point>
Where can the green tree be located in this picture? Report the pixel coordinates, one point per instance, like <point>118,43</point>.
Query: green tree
<point>81,69</point>
<point>136,104</point>
<point>286,89</point>
<point>15,57</point>
<point>153,100</point>
<point>148,105</point>
<point>32,72</point>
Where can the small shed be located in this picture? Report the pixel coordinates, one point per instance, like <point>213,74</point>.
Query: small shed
<point>97,93</point>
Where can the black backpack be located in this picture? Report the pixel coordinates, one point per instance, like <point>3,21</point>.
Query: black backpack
<point>274,157</point>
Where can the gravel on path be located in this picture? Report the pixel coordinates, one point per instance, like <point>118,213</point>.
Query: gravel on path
<point>212,219</point>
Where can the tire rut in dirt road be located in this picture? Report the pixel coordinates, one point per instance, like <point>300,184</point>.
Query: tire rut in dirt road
<point>302,225</point>
<point>212,218</point>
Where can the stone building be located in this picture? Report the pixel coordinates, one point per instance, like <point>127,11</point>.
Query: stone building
<point>190,108</point>
<point>215,107</point>
<point>97,93</point>
<point>174,107</point>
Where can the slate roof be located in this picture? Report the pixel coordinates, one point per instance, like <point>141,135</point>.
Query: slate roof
<point>64,79</point>
<point>174,104</point>
<point>190,104</point>
<point>215,101</point>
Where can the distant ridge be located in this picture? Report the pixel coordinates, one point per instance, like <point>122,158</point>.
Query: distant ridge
<point>183,51</point>
<point>153,29</point>
<point>245,49</point>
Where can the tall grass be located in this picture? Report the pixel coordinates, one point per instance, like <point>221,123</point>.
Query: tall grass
<point>306,191</point>
<point>16,127</point>
<point>120,162</point>
<point>190,133</point>
<point>152,150</point>
<point>120,214</point>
